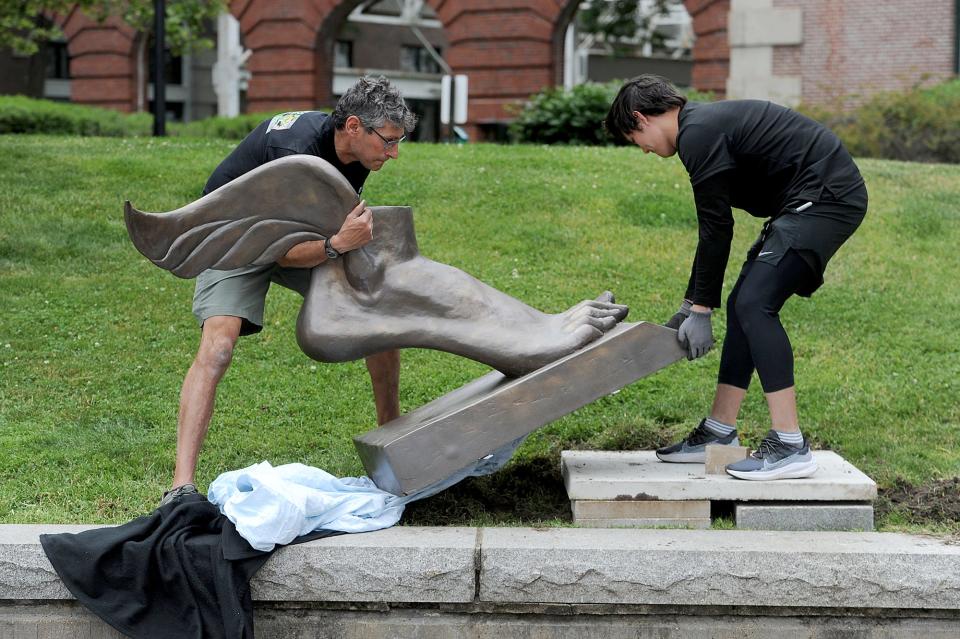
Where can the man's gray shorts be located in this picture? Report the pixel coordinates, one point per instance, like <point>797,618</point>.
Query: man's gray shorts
<point>242,292</point>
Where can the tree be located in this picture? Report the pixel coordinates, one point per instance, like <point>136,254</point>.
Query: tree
<point>622,24</point>
<point>186,22</point>
<point>24,25</point>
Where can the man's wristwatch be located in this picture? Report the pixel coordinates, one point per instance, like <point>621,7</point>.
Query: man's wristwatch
<point>332,253</point>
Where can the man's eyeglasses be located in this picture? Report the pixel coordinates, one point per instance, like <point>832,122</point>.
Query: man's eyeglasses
<point>388,144</point>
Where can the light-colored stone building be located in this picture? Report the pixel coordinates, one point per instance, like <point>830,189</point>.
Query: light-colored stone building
<point>830,52</point>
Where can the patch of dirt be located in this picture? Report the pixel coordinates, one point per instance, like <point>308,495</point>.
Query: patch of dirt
<point>935,502</point>
<point>529,490</point>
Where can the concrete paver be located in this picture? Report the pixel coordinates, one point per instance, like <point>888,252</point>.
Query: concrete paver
<point>639,475</point>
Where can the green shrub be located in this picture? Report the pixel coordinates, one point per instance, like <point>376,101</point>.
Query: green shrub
<point>235,128</point>
<point>566,117</point>
<point>700,96</point>
<point>920,125</point>
<point>555,116</point>
<point>19,114</point>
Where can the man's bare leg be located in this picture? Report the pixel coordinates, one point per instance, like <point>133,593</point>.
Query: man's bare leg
<point>199,392</point>
<point>384,369</point>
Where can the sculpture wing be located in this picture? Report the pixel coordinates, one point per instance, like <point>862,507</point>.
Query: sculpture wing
<point>253,220</point>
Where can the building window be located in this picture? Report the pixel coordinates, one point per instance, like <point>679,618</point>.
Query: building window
<point>397,12</point>
<point>343,54</point>
<point>172,66</point>
<point>58,61</point>
<point>418,59</point>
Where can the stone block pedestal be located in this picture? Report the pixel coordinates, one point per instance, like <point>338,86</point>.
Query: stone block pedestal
<point>601,513</point>
<point>719,457</point>
<point>634,488</point>
<point>805,516</point>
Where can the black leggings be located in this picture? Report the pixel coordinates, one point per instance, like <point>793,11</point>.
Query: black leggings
<point>755,337</point>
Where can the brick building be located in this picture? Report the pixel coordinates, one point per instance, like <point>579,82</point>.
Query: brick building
<point>833,52</point>
<point>785,50</point>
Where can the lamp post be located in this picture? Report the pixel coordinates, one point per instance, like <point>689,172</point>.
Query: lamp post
<point>159,77</point>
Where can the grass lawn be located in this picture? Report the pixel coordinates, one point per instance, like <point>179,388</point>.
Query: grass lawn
<point>95,340</point>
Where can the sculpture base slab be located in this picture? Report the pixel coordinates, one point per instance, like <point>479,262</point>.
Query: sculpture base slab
<point>453,432</point>
<point>591,513</point>
<point>617,483</point>
<point>639,475</point>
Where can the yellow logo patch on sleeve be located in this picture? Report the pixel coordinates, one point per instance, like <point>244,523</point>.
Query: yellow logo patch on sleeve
<point>283,121</point>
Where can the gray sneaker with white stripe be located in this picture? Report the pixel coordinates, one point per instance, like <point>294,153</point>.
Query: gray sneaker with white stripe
<point>775,460</point>
<point>693,449</point>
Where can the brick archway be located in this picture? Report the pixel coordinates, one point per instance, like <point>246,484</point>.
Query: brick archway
<point>526,37</point>
<point>102,60</point>
<point>282,36</point>
<point>509,48</point>
<point>326,37</point>
<point>711,49</point>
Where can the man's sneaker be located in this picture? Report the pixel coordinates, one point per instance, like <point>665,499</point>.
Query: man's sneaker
<point>175,494</point>
<point>775,460</point>
<point>693,449</point>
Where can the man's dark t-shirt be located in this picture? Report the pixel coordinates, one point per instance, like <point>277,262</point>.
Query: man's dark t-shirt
<point>298,132</point>
<point>762,158</point>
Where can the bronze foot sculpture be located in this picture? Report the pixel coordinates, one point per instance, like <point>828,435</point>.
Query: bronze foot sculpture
<point>380,297</point>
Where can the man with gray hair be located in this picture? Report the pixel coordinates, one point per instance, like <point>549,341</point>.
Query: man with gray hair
<point>364,131</point>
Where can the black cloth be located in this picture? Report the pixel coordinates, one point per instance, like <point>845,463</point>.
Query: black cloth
<point>755,337</point>
<point>297,132</point>
<point>765,159</point>
<point>182,571</point>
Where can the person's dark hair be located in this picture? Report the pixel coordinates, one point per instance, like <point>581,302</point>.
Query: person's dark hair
<point>649,94</point>
<point>375,101</point>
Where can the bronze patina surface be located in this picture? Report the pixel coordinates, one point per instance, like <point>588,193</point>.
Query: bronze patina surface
<point>380,297</point>
<point>386,295</point>
<point>454,432</point>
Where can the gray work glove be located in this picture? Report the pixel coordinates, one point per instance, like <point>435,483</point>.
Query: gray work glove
<point>678,317</point>
<point>696,334</point>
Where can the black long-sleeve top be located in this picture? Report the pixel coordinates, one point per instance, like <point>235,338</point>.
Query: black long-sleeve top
<point>759,157</point>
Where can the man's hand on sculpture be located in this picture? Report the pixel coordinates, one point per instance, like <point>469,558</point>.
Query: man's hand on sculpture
<point>357,229</point>
<point>681,314</point>
<point>696,334</point>
<point>383,295</point>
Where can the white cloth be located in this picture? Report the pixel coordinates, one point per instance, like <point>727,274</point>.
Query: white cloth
<point>275,505</point>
